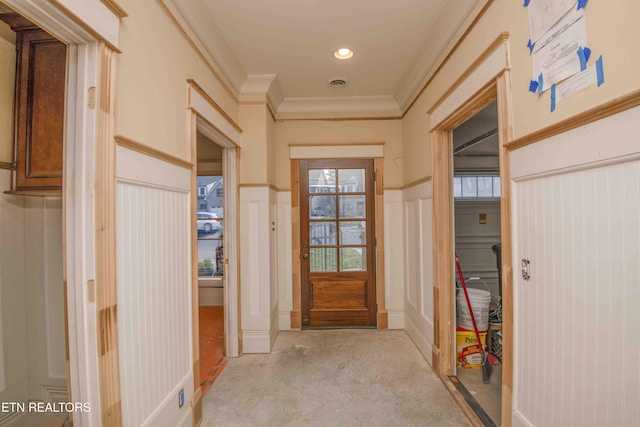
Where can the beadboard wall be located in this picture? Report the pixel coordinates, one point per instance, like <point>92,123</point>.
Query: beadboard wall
<point>153,240</point>
<point>418,251</point>
<point>576,221</point>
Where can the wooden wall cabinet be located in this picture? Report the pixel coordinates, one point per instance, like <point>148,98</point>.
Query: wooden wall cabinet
<point>41,64</point>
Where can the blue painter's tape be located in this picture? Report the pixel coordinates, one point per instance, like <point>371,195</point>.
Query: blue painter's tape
<point>540,83</point>
<point>533,86</point>
<point>587,53</point>
<point>582,4</point>
<point>530,46</point>
<point>526,3</point>
<point>599,71</point>
<point>583,59</point>
<point>553,98</point>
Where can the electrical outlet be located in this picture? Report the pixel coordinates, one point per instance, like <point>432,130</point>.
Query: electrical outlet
<point>181,398</point>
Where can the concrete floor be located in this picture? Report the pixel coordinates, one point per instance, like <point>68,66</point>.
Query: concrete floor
<point>489,396</point>
<point>355,377</point>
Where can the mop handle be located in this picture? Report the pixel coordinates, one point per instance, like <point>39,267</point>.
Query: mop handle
<point>466,296</point>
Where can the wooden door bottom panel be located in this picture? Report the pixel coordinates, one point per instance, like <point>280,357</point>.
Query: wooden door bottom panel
<point>343,294</point>
<point>340,318</point>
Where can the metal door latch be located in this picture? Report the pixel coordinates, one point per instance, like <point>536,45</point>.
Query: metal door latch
<point>525,269</point>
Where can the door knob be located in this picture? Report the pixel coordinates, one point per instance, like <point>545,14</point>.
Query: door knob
<point>305,256</point>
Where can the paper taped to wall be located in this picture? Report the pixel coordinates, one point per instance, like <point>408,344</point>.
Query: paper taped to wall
<point>543,14</point>
<point>591,76</point>
<point>554,55</point>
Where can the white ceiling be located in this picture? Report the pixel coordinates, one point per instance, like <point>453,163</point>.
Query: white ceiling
<point>286,46</point>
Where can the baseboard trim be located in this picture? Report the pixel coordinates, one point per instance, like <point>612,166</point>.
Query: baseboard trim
<point>425,347</point>
<point>256,341</point>
<point>284,320</point>
<point>396,319</point>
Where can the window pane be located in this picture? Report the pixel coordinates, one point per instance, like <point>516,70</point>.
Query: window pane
<point>351,180</point>
<point>209,225</point>
<point>485,186</point>
<point>496,186</point>
<point>352,207</point>
<point>210,258</point>
<point>210,194</point>
<point>457,187</point>
<point>353,233</point>
<point>323,259</point>
<point>322,181</point>
<point>469,186</point>
<point>322,207</point>
<point>353,259</point>
<point>322,233</point>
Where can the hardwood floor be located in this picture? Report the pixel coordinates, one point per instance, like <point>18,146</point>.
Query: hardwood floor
<point>212,359</point>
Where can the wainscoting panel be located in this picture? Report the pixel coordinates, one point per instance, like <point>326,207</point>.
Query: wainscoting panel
<point>153,221</point>
<point>577,224</point>
<point>283,236</point>
<point>258,268</point>
<point>419,266</point>
<point>394,259</point>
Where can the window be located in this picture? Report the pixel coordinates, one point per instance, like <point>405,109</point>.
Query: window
<point>476,187</point>
<point>219,192</point>
<point>202,191</point>
<point>210,231</point>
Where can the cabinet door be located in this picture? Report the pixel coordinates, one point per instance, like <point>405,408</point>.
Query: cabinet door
<point>40,101</point>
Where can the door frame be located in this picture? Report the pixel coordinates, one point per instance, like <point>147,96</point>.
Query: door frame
<point>207,117</point>
<point>88,208</point>
<point>365,150</point>
<point>487,79</point>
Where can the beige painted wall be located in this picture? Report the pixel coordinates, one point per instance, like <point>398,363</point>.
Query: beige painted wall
<point>271,149</point>
<point>7,84</point>
<point>340,132</point>
<point>151,80</point>
<point>254,156</point>
<point>611,31</point>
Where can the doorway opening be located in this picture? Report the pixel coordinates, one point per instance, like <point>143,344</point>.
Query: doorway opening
<point>34,342</point>
<point>477,245</point>
<point>211,213</point>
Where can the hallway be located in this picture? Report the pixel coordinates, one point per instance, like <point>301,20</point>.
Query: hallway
<point>332,378</point>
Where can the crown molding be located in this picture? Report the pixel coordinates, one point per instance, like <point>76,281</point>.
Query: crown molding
<point>450,30</point>
<point>260,88</point>
<point>448,25</point>
<point>195,21</point>
<point>336,107</point>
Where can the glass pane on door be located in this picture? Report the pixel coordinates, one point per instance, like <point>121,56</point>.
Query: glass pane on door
<point>322,233</point>
<point>353,233</point>
<point>353,259</point>
<point>322,207</point>
<point>322,181</point>
<point>352,207</point>
<point>323,259</point>
<point>351,180</point>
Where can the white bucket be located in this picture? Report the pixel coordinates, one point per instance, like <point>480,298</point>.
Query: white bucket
<point>480,301</point>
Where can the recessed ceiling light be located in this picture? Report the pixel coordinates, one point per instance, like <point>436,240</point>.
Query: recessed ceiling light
<point>343,53</point>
